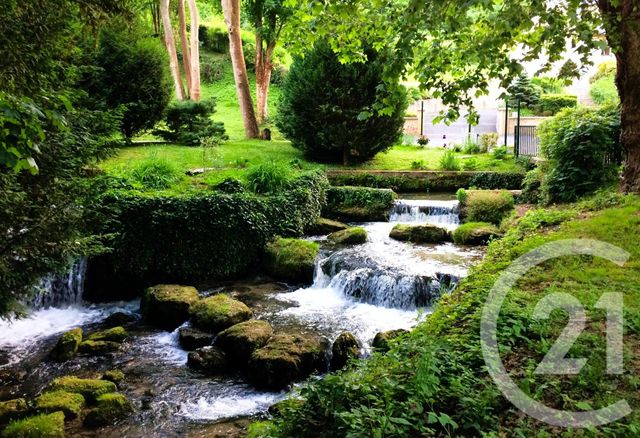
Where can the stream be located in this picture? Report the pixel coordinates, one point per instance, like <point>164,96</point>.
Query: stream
<point>377,286</point>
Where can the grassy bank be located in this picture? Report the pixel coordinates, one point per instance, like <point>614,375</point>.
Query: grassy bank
<point>435,382</point>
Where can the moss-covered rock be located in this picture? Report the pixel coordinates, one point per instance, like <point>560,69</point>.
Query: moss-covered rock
<point>68,402</point>
<point>326,226</point>
<point>67,346</point>
<point>209,360</point>
<point>218,312</point>
<point>40,426</point>
<point>426,233</point>
<point>192,339</point>
<point>291,259</point>
<point>286,359</point>
<point>350,236</point>
<point>119,319</point>
<point>109,408</point>
<point>91,389</point>
<point>13,409</point>
<point>475,233</point>
<point>115,334</point>
<point>115,376</point>
<point>241,340</point>
<point>345,348</point>
<point>167,305</point>
<point>382,339</point>
<point>99,348</point>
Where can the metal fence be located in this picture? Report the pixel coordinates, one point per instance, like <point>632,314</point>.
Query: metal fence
<point>527,141</point>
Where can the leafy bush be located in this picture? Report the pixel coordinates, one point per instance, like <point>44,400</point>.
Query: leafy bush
<point>606,69</point>
<point>418,165</point>
<point>583,152</point>
<point>212,71</point>
<point>531,187</point>
<point>188,122</point>
<point>156,174</point>
<point>214,39</point>
<point>268,178</point>
<point>549,85</point>
<point>488,141</point>
<point>470,147</point>
<point>132,73</point>
<point>604,91</point>
<point>330,110</point>
<point>486,206</point>
<point>470,164</point>
<point>554,103</point>
<point>449,161</point>
<point>497,180</point>
<point>230,186</point>
<point>500,153</point>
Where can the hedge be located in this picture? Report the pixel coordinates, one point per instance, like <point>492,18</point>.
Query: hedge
<point>359,204</point>
<point>553,103</point>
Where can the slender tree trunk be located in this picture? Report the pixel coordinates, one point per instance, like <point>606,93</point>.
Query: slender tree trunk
<point>194,88</point>
<point>231,9</point>
<point>184,44</point>
<point>622,23</point>
<point>170,43</point>
<point>264,65</point>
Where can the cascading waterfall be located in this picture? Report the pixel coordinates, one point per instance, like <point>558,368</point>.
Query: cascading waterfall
<point>425,210</point>
<point>61,290</point>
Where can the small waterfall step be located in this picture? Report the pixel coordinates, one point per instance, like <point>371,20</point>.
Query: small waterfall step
<point>61,290</point>
<point>425,210</point>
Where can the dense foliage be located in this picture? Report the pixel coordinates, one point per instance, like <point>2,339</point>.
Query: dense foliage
<point>551,104</point>
<point>332,111</point>
<point>583,150</point>
<point>485,205</point>
<point>361,204</point>
<point>188,122</point>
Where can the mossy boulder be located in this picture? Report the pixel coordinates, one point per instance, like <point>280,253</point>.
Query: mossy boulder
<point>68,402</point>
<point>209,360</point>
<point>345,348</point>
<point>192,339</point>
<point>99,348</point>
<point>475,233</point>
<point>67,346</point>
<point>241,340</point>
<point>91,389</point>
<point>13,409</point>
<point>291,259</point>
<point>40,426</point>
<point>115,334</point>
<point>218,313</point>
<point>115,376</point>
<point>350,236</point>
<point>381,342</point>
<point>167,305</point>
<point>426,233</point>
<point>326,226</point>
<point>109,408</point>
<point>285,359</point>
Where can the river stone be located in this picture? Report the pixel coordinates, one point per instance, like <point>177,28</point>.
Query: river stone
<point>326,226</point>
<point>68,402</point>
<point>192,339</point>
<point>241,340</point>
<point>67,346</point>
<point>115,376</point>
<point>40,426</point>
<point>119,319</point>
<point>381,340</point>
<point>209,360</point>
<point>99,348</point>
<point>91,389</point>
<point>115,334</point>
<point>419,233</point>
<point>218,312</point>
<point>12,409</point>
<point>285,359</point>
<point>109,408</point>
<point>345,348</point>
<point>167,305</point>
<point>291,259</point>
<point>350,236</point>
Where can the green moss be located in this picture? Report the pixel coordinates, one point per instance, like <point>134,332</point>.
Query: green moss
<point>91,389</point>
<point>99,348</point>
<point>40,426</point>
<point>350,236</point>
<point>218,312</point>
<point>67,346</point>
<point>241,340</point>
<point>12,409</point>
<point>68,402</point>
<point>419,233</point>
<point>291,259</point>
<point>115,376</point>
<point>326,226</point>
<point>260,429</point>
<point>167,305</point>
<point>116,334</point>
<point>486,206</point>
<point>475,233</point>
<point>109,408</point>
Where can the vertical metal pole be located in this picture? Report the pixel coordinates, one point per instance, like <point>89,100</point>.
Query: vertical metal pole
<point>506,122</point>
<point>421,118</point>
<point>517,148</point>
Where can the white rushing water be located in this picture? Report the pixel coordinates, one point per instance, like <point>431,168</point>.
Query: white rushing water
<point>438,212</point>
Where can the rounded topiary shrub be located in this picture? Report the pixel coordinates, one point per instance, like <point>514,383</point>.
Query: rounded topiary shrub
<point>334,112</point>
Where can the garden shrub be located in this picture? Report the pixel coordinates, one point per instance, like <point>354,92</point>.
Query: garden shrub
<point>359,203</point>
<point>268,177</point>
<point>532,183</point>
<point>188,122</point>
<point>449,161</point>
<point>156,174</point>
<point>470,147</point>
<point>604,91</point>
<point>470,164</point>
<point>554,103</point>
<point>485,205</point>
<point>331,112</point>
<point>583,152</point>
<point>497,180</point>
<point>488,141</point>
<point>500,153</point>
<point>212,71</point>
<point>214,39</point>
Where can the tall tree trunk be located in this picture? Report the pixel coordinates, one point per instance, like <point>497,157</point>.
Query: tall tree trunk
<point>184,44</point>
<point>264,65</point>
<point>194,88</point>
<point>622,23</point>
<point>231,9</point>
<point>170,43</point>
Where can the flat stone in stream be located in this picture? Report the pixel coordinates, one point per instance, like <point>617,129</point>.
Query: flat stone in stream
<point>119,319</point>
<point>209,360</point>
<point>326,226</point>
<point>109,408</point>
<point>218,313</point>
<point>115,334</point>
<point>68,402</point>
<point>99,348</point>
<point>241,340</point>
<point>91,389</point>
<point>350,236</point>
<point>67,346</point>
<point>426,233</point>
<point>167,305</point>
<point>192,339</point>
